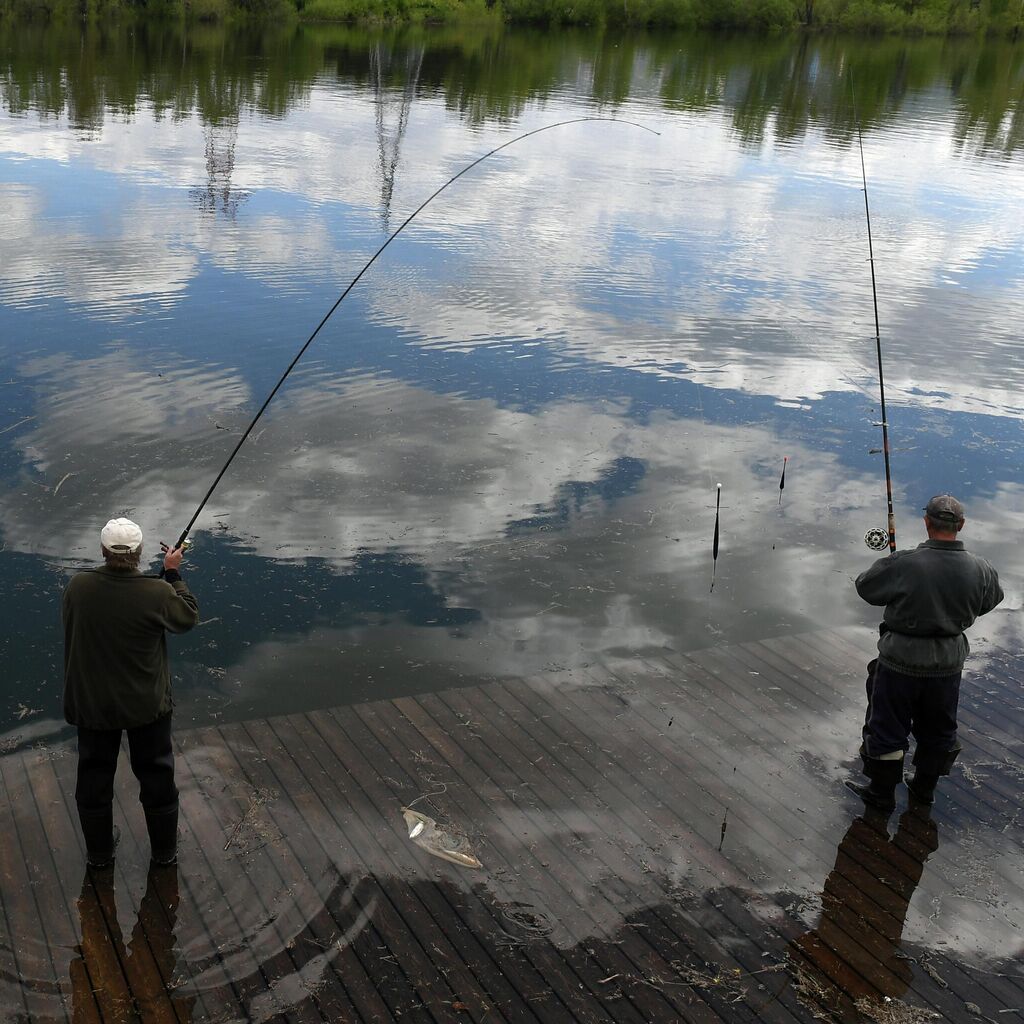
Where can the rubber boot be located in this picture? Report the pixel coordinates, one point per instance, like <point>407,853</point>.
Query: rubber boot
<point>930,766</point>
<point>162,826</point>
<point>922,786</point>
<point>101,837</point>
<point>885,775</point>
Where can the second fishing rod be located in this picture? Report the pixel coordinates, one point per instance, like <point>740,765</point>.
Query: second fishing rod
<point>875,538</point>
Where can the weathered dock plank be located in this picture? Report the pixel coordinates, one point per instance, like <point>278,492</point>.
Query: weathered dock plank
<point>663,838</point>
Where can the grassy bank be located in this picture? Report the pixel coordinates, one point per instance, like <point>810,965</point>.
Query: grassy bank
<point>917,17</point>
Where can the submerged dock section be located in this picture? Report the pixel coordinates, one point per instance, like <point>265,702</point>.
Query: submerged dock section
<point>657,838</point>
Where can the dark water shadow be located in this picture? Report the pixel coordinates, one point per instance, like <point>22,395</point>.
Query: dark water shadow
<point>129,982</point>
<point>853,958</point>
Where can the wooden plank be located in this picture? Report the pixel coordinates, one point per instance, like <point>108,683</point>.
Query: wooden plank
<point>205,817</point>
<point>448,710</point>
<point>777,808</point>
<point>512,980</point>
<point>573,978</point>
<point>717,663</point>
<point>989,730</point>
<point>279,873</point>
<point>596,778</point>
<point>428,716</point>
<point>998,799</point>
<point>428,908</point>
<point>49,940</point>
<point>368,967</point>
<point>184,904</point>
<point>558,786</point>
<point>640,782</point>
<point>812,654</point>
<point>765,723</point>
<point>392,733</point>
<point>157,914</point>
<point>1014,873</point>
<point>24,988</point>
<point>100,971</point>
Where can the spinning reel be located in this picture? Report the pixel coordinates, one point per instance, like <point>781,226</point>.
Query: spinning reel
<point>877,539</point>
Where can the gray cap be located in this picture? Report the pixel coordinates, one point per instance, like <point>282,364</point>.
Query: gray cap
<point>944,508</point>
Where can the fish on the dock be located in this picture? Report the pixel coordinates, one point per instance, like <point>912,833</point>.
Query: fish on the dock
<point>441,842</point>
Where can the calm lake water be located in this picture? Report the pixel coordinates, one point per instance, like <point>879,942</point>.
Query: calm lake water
<point>500,456</point>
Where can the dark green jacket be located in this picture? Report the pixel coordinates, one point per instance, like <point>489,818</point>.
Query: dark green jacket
<point>116,674</point>
<point>931,593</point>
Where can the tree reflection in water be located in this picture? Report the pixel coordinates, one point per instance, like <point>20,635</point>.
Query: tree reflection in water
<point>854,952</point>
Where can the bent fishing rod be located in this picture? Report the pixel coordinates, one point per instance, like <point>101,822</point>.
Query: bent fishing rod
<point>875,538</point>
<point>369,263</point>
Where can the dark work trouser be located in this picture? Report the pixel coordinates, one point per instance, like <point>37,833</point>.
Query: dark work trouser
<point>923,706</point>
<point>152,761</point>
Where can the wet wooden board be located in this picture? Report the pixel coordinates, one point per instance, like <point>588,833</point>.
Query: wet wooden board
<point>663,837</point>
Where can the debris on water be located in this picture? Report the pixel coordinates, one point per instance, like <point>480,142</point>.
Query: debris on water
<point>18,424</point>
<point>441,842</point>
<point>61,481</point>
<point>259,796</point>
<point>725,825</point>
<point>528,917</point>
<point>893,1011</point>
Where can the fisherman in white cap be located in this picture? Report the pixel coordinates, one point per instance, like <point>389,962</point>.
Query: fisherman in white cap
<point>931,594</point>
<point>116,677</point>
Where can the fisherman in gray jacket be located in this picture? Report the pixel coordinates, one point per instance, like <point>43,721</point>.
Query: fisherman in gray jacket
<point>931,594</point>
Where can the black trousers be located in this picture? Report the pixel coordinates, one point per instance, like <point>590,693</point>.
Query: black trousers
<point>152,761</point>
<point>900,705</point>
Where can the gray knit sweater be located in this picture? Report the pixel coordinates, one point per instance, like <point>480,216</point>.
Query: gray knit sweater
<point>931,594</point>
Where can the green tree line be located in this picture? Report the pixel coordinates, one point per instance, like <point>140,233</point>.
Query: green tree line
<point>932,17</point>
<point>88,71</point>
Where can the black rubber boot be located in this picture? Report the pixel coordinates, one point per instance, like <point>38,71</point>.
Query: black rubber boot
<point>101,837</point>
<point>931,765</point>
<point>885,775</point>
<point>875,795</point>
<point>922,786</point>
<point>162,826</point>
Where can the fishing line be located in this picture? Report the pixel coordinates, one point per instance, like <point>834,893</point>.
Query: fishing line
<point>366,267</point>
<point>871,538</point>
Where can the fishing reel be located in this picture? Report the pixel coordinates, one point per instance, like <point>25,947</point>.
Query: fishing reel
<point>877,539</point>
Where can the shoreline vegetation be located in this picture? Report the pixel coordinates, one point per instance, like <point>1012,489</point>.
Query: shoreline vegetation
<point>870,17</point>
<point>769,87</point>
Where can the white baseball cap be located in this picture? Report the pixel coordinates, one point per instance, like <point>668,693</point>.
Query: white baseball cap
<point>121,536</point>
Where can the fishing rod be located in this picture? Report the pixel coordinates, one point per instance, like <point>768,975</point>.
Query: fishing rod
<point>341,298</point>
<point>875,538</point>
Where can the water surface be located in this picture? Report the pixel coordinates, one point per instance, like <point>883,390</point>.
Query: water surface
<point>501,455</point>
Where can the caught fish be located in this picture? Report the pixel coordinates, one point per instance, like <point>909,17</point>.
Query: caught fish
<point>441,842</point>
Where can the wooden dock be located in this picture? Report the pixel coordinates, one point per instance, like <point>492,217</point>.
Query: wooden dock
<point>661,838</point>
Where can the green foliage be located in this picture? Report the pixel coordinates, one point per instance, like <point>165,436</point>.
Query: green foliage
<point>87,70</point>
<point>866,17</point>
<point>393,11</point>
